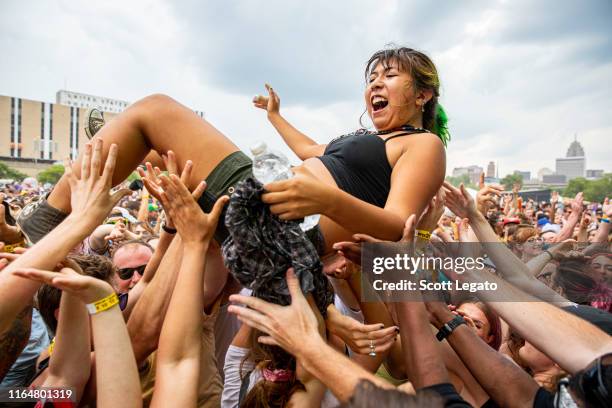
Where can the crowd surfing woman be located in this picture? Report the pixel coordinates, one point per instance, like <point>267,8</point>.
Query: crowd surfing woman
<point>367,181</point>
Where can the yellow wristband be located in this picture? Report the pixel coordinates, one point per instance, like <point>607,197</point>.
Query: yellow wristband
<point>426,235</point>
<point>11,248</point>
<point>103,304</point>
<point>51,346</point>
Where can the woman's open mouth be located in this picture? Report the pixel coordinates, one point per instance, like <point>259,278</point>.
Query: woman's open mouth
<point>378,103</point>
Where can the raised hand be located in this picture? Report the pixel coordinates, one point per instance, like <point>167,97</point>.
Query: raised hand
<point>193,224</point>
<point>488,197</point>
<point>577,203</point>
<point>90,198</point>
<point>351,250</point>
<point>435,209</point>
<point>152,181</point>
<point>118,233</point>
<point>459,201</point>
<point>86,288</point>
<point>289,327</point>
<point>270,103</point>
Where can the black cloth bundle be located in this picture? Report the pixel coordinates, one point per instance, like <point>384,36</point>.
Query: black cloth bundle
<point>260,248</point>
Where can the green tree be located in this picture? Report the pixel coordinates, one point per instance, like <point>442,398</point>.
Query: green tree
<point>51,174</point>
<point>575,186</point>
<point>597,190</point>
<point>594,190</point>
<point>7,172</point>
<point>511,179</point>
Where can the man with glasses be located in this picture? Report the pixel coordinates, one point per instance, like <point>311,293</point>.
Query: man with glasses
<point>130,259</point>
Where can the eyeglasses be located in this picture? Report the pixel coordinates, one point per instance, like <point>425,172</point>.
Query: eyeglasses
<point>127,273</point>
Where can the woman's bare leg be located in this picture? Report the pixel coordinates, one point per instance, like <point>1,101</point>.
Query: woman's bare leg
<point>160,123</point>
<point>155,159</point>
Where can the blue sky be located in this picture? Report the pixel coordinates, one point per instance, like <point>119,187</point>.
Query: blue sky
<point>519,78</point>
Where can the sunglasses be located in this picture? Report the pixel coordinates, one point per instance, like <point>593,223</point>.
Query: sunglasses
<point>127,273</point>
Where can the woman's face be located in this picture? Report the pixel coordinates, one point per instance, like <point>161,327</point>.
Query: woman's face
<point>601,268</point>
<point>390,97</point>
<point>483,328</point>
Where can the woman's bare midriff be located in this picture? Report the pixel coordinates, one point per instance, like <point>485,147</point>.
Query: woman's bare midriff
<point>331,230</point>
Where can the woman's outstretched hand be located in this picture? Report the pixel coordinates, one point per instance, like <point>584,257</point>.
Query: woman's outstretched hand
<point>299,196</point>
<point>270,103</point>
<point>86,288</point>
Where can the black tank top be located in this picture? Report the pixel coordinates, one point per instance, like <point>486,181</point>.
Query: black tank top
<point>359,165</point>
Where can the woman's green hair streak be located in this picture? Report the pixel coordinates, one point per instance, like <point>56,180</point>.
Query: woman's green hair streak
<point>440,126</point>
<point>425,76</point>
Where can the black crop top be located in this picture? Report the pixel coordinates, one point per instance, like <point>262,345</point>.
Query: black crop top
<point>359,165</point>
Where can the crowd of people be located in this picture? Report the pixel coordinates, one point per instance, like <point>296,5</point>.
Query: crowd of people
<point>193,285</point>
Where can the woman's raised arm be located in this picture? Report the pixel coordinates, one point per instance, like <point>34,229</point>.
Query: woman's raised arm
<point>303,146</point>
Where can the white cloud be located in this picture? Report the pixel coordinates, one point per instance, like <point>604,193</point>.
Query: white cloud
<point>518,79</point>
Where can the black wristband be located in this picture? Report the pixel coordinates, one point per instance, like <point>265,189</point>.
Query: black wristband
<point>449,327</point>
<point>168,229</point>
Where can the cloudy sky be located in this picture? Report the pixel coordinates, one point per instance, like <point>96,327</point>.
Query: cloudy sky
<point>519,78</point>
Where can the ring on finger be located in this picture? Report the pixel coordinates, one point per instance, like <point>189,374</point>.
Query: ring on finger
<point>372,352</point>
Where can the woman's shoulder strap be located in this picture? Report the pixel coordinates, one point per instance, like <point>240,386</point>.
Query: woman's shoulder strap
<point>409,132</point>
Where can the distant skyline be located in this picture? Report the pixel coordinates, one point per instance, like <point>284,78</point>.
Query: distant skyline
<point>518,78</point>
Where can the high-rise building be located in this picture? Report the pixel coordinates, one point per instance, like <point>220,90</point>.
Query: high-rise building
<point>35,134</point>
<point>574,164</point>
<point>473,173</point>
<point>491,170</point>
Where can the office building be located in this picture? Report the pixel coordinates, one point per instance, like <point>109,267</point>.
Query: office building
<point>36,134</point>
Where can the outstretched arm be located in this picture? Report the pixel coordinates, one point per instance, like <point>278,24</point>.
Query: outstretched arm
<point>517,389</point>
<point>70,363</point>
<point>512,268</point>
<point>115,365</point>
<point>180,344</point>
<point>91,203</point>
<point>573,219</point>
<point>542,324</point>
<point>303,146</point>
<point>295,328</point>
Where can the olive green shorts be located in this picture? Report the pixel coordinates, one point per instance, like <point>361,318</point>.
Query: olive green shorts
<point>221,181</point>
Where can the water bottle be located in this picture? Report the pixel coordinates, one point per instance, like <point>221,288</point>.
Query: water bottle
<point>269,166</point>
